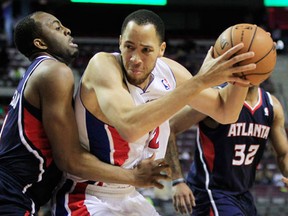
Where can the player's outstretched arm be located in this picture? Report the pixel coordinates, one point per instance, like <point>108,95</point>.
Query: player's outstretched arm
<point>219,105</point>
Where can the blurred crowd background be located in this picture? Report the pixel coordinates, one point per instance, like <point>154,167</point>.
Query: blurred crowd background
<point>192,27</point>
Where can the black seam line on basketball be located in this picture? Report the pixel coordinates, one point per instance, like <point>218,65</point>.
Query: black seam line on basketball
<point>260,74</point>
<point>231,39</point>
<point>265,54</point>
<point>251,41</point>
<point>231,36</point>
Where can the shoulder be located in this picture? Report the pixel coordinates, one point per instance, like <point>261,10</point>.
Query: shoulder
<point>180,72</point>
<point>103,57</point>
<point>103,61</point>
<point>276,102</point>
<point>173,64</point>
<point>272,98</point>
<point>277,106</point>
<point>50,80</point>
<point>53,67</point>
<point>52,73</point>
<point>102,68</point>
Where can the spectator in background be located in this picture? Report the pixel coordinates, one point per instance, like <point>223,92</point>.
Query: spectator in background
<point>7,12</point>
<point>227,156</point>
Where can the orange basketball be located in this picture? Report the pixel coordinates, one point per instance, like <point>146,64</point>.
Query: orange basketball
<point>255,39</point>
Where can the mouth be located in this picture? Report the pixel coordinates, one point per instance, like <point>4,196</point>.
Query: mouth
<point>136,70</point>
<point>73,44</point>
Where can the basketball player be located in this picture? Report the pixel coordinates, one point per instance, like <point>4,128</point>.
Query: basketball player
<point>40,131</point>
<point>226,156</point>
<point>123,105</point>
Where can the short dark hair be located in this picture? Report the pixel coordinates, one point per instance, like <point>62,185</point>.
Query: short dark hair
<point>26,30</point>
<point>143,17</point>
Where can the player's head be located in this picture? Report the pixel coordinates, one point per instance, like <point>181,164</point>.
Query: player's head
<point>141,43</point>
<point>143,17</point>
<point>42,33</point>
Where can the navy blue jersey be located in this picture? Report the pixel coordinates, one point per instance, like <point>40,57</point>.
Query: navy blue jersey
<point>28,173</point>
<point>226,157</point>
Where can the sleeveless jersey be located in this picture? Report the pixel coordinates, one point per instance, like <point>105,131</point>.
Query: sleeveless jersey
<point>226,157</point>
<point>25,153</point>
<point>104,141</point>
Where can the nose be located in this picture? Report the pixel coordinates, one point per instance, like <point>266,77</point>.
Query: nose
<point>67,31</point>
<point>135,58</point>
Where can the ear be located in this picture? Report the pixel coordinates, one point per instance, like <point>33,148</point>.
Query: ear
<point>40,44</point>
<point>120,41</point>
<point>162,49</point>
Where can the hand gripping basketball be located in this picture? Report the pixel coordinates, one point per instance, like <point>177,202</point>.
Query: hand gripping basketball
<point>255,39</point>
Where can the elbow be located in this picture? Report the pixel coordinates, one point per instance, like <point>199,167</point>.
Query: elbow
<point>130,129</point>
<point>62,165</point>
<point>130,134</point>
<point>73,168</point>
<point>130,137</point>
<point>231,120</point>
<point>227,119</point>
<point>66,163</point>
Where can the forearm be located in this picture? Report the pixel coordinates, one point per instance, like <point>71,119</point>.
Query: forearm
<point>91,168</point>
<point>71,157</point>
<point>134,122</point>
<point>148,173</point>
<point>283,165</point>
<point>233,97</point>
<point>172,158</point>
<point>222,105</point>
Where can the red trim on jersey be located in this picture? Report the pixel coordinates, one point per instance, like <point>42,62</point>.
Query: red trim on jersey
<point>76,200</point>
<point>208,150</point>
<point>154,142</point>
<point>35,133</point>
<point>121,147</point>
<point>257,105</point>
<point>211,213</point>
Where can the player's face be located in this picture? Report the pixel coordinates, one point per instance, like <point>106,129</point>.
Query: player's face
<point>57,38</point>
<point>140,48</point>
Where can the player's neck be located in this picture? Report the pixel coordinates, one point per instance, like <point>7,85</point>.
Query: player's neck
<point>252,96</point>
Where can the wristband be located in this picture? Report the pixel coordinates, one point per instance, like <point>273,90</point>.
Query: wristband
<point>177,181</point>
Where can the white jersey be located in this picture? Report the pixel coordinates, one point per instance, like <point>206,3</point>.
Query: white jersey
<point>105,143</point>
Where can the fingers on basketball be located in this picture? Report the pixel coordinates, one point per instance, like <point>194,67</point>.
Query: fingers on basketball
<point>255,39</point>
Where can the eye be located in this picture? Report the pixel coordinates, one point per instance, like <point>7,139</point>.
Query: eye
<point>146,50</point>
<point>129,47</point>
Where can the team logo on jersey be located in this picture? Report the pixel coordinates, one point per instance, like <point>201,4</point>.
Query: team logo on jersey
<point>154,139</point>
<point>266,111</point>
<point>248,129</point>
<point>15,99</point>
<point>165,84</point>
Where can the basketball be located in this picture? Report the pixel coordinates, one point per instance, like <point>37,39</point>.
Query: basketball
<point>255,39</point>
